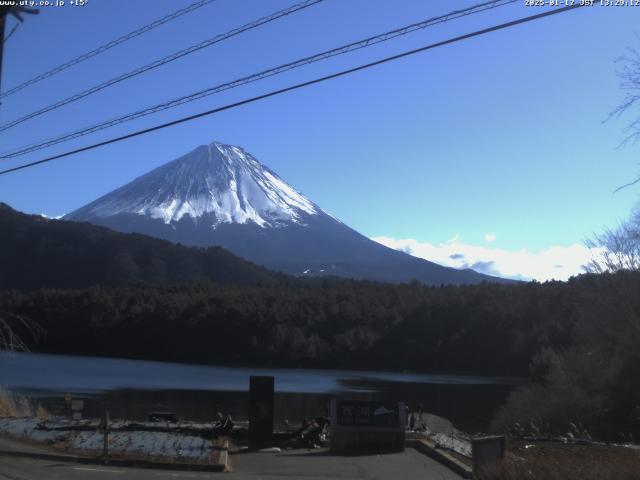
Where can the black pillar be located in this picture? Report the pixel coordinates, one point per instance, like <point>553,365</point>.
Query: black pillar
<point>261,408</point>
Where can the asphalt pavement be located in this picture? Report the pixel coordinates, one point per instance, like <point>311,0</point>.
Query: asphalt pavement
<point>291,464</point>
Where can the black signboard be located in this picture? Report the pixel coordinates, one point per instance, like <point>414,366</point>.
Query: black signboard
<point>353,413</point>
<point>261,408</point>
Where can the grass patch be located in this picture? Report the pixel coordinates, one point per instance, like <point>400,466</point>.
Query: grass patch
<point>17,405</point>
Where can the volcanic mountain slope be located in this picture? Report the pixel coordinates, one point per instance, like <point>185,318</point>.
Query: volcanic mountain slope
<point>221,195</point>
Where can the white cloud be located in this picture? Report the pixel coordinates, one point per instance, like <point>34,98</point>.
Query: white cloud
<point>555,262</point>
<point>58,217</point>
<point>489,237</point>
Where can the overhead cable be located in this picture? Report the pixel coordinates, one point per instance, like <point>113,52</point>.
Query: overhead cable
<point>163,61</point>
<point>273,93</point>
<point>367,42</point>
<point>106,46</point>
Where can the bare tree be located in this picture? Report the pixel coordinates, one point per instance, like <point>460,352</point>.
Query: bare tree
<point>617,248</point>
<point>9,324</point>
<point>628,71</point>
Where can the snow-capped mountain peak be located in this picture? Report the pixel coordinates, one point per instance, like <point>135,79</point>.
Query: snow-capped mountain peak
<point>220,195</point>
<point>217,180</point>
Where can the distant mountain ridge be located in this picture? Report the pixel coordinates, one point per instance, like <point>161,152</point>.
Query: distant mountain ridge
<point>219,194</point>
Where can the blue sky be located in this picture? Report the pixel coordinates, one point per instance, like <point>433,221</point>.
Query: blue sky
<point>496,143</point>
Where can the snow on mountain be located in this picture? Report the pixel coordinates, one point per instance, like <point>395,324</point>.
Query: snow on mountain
<point>217,179</point>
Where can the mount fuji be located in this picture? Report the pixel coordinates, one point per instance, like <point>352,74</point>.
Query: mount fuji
<point>219,194</point>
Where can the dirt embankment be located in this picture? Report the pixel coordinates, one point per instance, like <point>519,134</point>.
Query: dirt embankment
<point>558,461</point>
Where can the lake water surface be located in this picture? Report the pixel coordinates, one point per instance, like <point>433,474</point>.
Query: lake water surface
<point>132,388</point>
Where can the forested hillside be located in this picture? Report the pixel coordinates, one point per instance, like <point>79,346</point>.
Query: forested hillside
<point>484,328</point>
<point>37,252</point>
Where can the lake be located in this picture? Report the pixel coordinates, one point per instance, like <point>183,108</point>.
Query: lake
<point>133,388</point>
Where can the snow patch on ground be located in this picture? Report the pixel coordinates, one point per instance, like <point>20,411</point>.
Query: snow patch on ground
<point>452,441</point>
<point>167,445</point>
<point>151,444</point>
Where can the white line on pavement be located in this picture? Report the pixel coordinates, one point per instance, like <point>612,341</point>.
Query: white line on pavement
<point>84,469</point>
<point>160,474</point>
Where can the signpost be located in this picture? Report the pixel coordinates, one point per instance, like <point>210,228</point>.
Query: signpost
<point>105,430</point>
<point>367,414</point>
<point>367,426</point>
<point>76,407</point>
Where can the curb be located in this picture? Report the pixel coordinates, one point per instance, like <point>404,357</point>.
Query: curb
<point>221,466</point>
<point>429,448</point>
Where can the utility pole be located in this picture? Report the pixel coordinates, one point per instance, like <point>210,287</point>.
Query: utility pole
<point>16,12</point>
<point>3,16</point>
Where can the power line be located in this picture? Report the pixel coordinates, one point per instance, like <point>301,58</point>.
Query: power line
<point>107,46</point>
<point>163,61</point>
<point>258,76</point>
<point>298,86</point>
